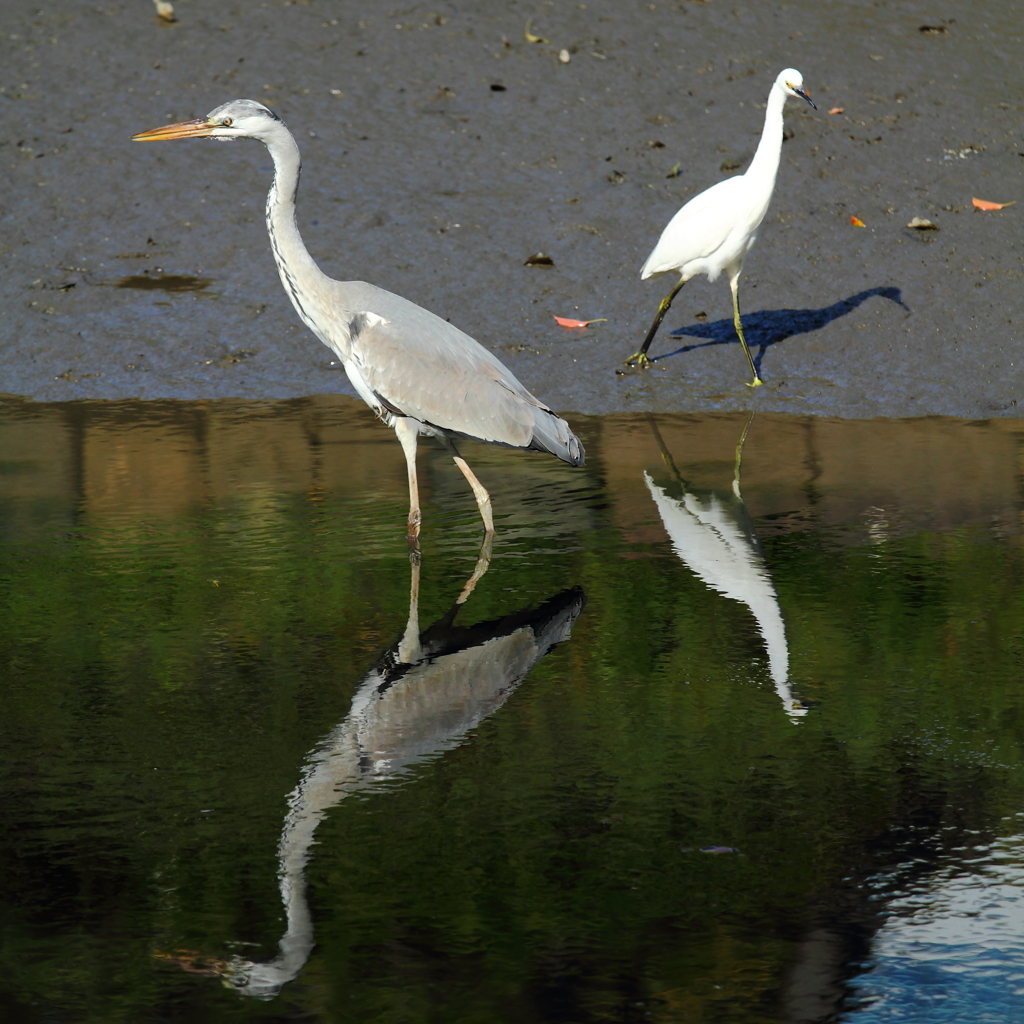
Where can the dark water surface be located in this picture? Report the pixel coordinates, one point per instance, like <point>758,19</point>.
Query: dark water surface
<point>706,743</point>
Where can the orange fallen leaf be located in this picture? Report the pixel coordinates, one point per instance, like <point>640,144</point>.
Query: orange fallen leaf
<point>837,110</point>
<point>565,321</point>
<point>857,222</point>
<point>984,204</point>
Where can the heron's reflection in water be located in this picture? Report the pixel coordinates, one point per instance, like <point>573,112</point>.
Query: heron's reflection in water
<point>712,532</point>
<point>422,698</point>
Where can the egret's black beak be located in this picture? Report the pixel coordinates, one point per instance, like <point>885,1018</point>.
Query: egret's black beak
<point>802,93</point>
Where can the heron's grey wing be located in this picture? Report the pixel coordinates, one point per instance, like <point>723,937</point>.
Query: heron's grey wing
<point>418,365</point>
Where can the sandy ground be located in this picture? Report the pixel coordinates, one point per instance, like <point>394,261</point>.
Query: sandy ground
<point>423,178</point>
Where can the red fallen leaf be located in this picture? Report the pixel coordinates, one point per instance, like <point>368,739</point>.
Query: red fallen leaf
<point>837,110</point>
<point>984,204</point>
<point>565,321</point>
<point>857,222</point>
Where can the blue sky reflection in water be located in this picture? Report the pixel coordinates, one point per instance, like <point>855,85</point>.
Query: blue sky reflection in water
<point>952,948</point>
<point>716,738</point>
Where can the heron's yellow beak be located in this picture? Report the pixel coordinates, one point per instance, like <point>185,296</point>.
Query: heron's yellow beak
<point>197,129</point>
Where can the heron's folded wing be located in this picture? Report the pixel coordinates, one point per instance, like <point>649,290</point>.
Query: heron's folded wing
<point>431,371</point>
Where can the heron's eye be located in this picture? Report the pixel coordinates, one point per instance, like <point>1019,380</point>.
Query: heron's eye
<point>226,122</point>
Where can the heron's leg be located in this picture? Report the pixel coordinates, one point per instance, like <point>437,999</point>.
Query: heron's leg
<point>409,650</point>
<point>734,284</point>
<point>483,499</point>
<point>407,432</point>
<point>640,358</point>
<point>483,562</point>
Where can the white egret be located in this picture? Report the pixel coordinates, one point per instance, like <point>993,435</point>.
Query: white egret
<point>713,533</point>
<point>715,230</point>
<point>419,374</point>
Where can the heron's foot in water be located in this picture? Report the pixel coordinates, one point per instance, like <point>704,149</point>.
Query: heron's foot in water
<point>412,533</point>
<point>639,359</point>
<point>755,383</point>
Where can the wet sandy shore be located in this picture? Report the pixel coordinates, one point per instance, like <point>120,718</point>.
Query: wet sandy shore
<point>423,177</point>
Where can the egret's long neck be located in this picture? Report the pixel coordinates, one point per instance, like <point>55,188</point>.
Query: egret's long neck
<point>299,272</point>
<point>765,165</point>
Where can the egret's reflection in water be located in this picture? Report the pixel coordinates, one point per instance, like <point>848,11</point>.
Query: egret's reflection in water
<point>713,533</point>
<point>424,695</point>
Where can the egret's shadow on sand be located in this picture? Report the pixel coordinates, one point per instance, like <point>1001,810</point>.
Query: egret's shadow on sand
<point>768,327</point>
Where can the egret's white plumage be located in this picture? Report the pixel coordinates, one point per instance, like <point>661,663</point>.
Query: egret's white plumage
<point>420,374</point>
<point>715,230</point>
<point>714,534</point>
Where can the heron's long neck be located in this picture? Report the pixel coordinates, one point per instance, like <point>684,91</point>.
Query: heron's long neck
<point>765,164</point>
<point>297,268</point>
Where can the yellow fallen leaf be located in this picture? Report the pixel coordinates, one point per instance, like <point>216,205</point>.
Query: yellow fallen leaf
<point>565,321</point>
<point>984,204</point>
<point>531,38</point>
<point>857,222</point>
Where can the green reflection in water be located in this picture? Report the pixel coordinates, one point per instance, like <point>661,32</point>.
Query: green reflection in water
<point>192,595</point>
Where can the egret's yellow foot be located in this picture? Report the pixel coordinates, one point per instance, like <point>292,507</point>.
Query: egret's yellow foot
<point>639,359</point>
<point>755,383</point>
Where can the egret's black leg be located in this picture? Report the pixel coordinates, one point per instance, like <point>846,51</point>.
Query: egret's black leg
<point>640,358</point>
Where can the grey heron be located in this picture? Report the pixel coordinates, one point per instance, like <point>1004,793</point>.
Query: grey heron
<point>422,698</point>
<point>419,374</point>
<point>716,229</point>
